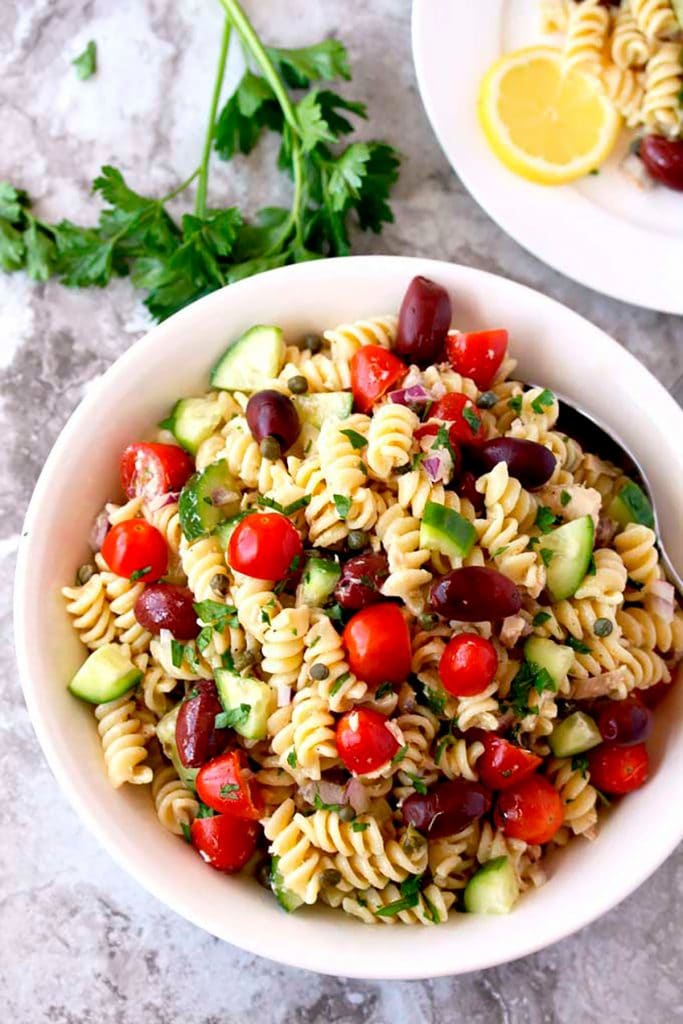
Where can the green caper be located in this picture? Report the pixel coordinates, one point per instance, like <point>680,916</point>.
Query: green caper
<point>312,342</point>
<point>242,660</point>
<point>270,448</point>
<point>358,539</point>
<point>347,813</point>
<point>319,671</point>
<point>85,573</point>
<point>298,385</point>
<point>487,400</point>
<point>263,874</point>
<point>330,877</point>
<point>219,584</point>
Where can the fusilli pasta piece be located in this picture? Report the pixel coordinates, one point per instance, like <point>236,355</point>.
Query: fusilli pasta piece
<point>124,741</point>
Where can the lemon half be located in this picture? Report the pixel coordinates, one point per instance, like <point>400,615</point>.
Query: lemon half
<point>546,122</point>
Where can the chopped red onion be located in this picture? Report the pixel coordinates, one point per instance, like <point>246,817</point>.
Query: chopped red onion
<point>99,531</point>
<point>284,694</point>
<point>438,466</point>
<point>327,792</point>
<point>415,395</point>
<point>161,500</point>
<point>660,600</point>
<point>357,795</point>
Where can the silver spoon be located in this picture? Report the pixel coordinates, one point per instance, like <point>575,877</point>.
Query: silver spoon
<point>608,443</point>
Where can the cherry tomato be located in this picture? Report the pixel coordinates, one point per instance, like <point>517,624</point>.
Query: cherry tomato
<point>149,469</point>
<point>464,416</point>
<point>374,371</point>
<point>364,742</point>
<point>226,785</point>
<point>223,842</point>
<point>468,664</point>
<point>378,644</point>
<point>503,765</point>
<point>265,545</point>
<point>136,550</point>
<point>477,355</point>
<point>615,769</point>
<point>531,810</point>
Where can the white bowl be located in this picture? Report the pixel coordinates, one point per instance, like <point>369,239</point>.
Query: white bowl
<point>554,346</point>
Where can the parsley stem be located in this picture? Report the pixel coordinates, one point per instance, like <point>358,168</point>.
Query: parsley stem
<point>200,199</point>
<point>181,187</point>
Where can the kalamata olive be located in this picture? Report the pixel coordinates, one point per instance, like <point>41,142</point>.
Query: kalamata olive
<point>361,580</point>
<point>423,321</point>
<point>272,414</point>
<point>197,738</point>
<point>466,487</point>
<point>474,594</point>
<point>447,808</point>
<point>624,721</point>
<point>166,606</point>
<point>531,463</point>
<point>663,159</point>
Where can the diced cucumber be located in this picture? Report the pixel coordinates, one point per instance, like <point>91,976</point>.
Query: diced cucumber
<point>574,735</point>
<point>199,510</point>
<point>315,409</point>
<point>493,889</point>
<point>631,505</point>
<point>287,899</point>
<point>556,659</point>
<point>318,580</point>
<point>237,691</point>
<point>166,736</point>
<point>446,531</point>
<point>567,552</point>
<point>224,530</point>
<point>192,420</point>
<point>249,362</point>
<point>107,674</point>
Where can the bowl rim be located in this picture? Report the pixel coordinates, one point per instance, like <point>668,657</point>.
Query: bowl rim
<point>306,956</point>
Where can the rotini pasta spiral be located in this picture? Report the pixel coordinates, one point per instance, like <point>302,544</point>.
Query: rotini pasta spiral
<point>625,88</point>
<point>400,537</point>
<point>630,48</point>
<point>663,82</point>
<point>586,35</point>
<point>431,908</point>
<point>655,18</point>
<point>607,584</point>
<point>578,797</point>
<point>452,859</point>
<point>299,862</point>
<point>323,646</point>
<point>174,804</point>
<point>346,339</point>
<point>89,608</point>
<point>390,438</point>
<point>203,560</point>
<point>649,631</point>
<point>124,741</point>
<point>283,646</point>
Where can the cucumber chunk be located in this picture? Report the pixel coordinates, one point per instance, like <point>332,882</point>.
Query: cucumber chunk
<point>199,514</point>
<point>249,362</point>
<point>235,692</point>
<point>225,530</point>
<point>192,420</point>
<point>319,578</point>
<point>446,531</point>
<point>556,659</point>
<point>574,735</point>
<point>493,889</point>
<point>567,552</point>
<point>106,675</point>
<point>287,899</point>
<point>631,505</point>
<point>166,736</point>
<point>315,409</point>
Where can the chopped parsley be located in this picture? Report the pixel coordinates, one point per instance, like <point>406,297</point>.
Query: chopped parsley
<point>336,687</point>
<point>444,742</point>
<point>383,690</point>
<point>577,645</point>
<point>487,400</point>
<point>540,618</point>
<point>342,505</point>
<point>546,555</point>
<point>261,499</point>
<point>580,764</point>
<point>499,551</point>
<point>530,677</point>
<point>432,912</point>
<point>229,791</point>
<point>291,758</point>
<point>515,403</point>
<point>545,520</point>
<point>470,417</point>
<point>418,783</point>
<point>363,468</point>
<point>86,63</point>
<point>400,754</point>
<point>192,659</point>
<point>228,661</point>
<point>442,440</point>
<point>334,613</point>
<point>204,638</point>
<point>359,826</point>
<point>205,811</point>
<point>320,805</point>
<point>434,699</point>
<point>186,832</point>
<point>410,897</point>
<point>217,615</point>
<point>592,568</point>
<point>234,717</point>
<point>603,627</point>
<point>543,400</point>
<point>139,573</point>
<point>357,440</point>
<point>294,506</point>
<point>177,653</point>
<point>565,498</point>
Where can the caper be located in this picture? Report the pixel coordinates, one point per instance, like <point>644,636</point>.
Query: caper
<point>85,573</point>
<point>270,448</point>
<point>313,342</point>
<point>219,584</point>
<point>319,671</point>
<point>242,660</point>
<point>298,385</point>
<point>330,877</point>
<point>263,874</point>
<point>487,400</point>
<point>347,813</point>
<point>358,539</point>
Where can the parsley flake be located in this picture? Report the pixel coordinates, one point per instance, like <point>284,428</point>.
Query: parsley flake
<point>291,758</point>
<point>359,826</point>
<point>577,645</point>
<point>294,506</point>
<point>232,718</point>
<point>546,555</point>
<point>177,653</point>
<point>545,520</point>
<point>580,764</point>
<point>357,440</point>
<point>342,505</point>
<point>139,573</point>
<point>543,400</point>
<point>218,616</point>
<point>229,791</point>
<point>515,403</point>
<point>400,754</point>
<point>470,416</point>
<point>410,897</point>
<point>418,783</point>
<point>86,63</point>
<point>565,498</point>
<point>540,618</point>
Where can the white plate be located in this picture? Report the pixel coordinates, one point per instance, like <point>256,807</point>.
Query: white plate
<point>601,230</point>
<point>555,346</point>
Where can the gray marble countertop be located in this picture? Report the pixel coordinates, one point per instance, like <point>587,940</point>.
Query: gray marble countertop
<point>79,941</point>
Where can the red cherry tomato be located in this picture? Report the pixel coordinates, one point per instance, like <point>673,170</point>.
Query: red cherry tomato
<point>477,355</point>
<point>223,842</point>
<point>374,370</point>
<point>136,550</point>
<point>468,664</point>
<point>364,742</point>
<point>150,469</point>
<point>265,545</point>
<point>226,785</point>
<point>615,769</point>
<point>378,644</point>
<point>462,413</point>
<point>503,765</point>
<point>531,810</point>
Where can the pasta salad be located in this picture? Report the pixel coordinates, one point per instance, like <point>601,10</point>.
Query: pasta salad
<point>370,625</point>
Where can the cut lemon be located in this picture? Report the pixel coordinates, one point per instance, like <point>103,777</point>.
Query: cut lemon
<point>546,122</point>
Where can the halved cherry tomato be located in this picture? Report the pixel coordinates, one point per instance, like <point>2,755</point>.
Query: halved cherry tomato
<point>462,413</point>
<point>148,469</point>
<point>477,354</point>
<point>377,641</point>
<point>265,545</point>
<point>226,785</point>
<point>531,810</point>
<point>363,740</point>
<point>503,765</point>
<point>137,550</point>
<point>223,842</point>
<point>374,370</point>
<point>615,769</point>
<point>468,664</point>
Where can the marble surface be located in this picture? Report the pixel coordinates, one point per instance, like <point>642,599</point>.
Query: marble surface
<point>79,941</point>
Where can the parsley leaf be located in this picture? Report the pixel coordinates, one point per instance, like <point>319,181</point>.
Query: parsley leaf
<point>565,498</point>
<point>229,791</point>
<point>383,689</point>
<point>291,758</point>
<point>546,555</point>
<point>326,60</point>
<point>186,832</point>
<point>342,505</point>
<point>204,638</point>
<point>337,685</point>
<point>215,614</point>
<point>577,645</point>
<point>543,400</point>
<point>86,62</point>
<point>418,783</point>
<point>545,520</point>
<point>205,811</point>
<point>530,676</point>
<point>294,506</point>
<point>470,416</point>
<point>515,403</point>
<point>359,826</point>
<point>541,617</point>
<point>580,764</point>
<point>357,440</point>
<point>177,653</point>
<point>262,499</point>
<point>400,754</point>
<point>137,574</point>
<point>410,897</point>
<point>232,718</point>
<point>320,805</point>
